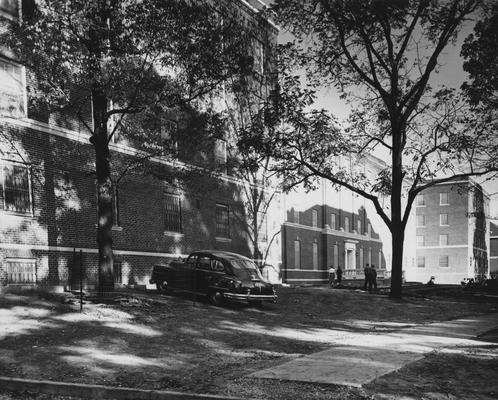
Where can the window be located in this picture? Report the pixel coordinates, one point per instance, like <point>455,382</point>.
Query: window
<point>263,226</point>
<point>420,220</point>
<point>297,254</point>
<point>115,206</point>
<point>420,200</point>
<point>15,193</point>
<point>315,256</point>
<point>11,7</point>
<point>118,272</point>
<point>443,240</point>
<point>443,199</point>
<point>420,241</point>
<point>258,57</point>
<point>333,222</point>
<point>220,153</point>
<point>358,226</point>
<point>12,89</point>
<point>369,229</point>
<point>420,262</point>
<point>346,224</point>
<point>336,255</point>
<point>222,221</point>
<point>380,259</point>
<point>296,216</point>
<point>21,271</point>
<point>362,260</point>
<point>370,255</point>
<point>314,218</point>
<point>204,263</point>
<point>443,261</point>
<point>172,213</point>
<point>443,219</point>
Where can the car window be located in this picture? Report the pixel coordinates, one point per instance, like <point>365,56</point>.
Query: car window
<point>245,269</point>
<point>218,266</point>
<point>191,260</point>
<point>204,263</point>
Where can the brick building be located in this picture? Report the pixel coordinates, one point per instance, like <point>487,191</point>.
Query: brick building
<point>332,226</point>
<point>48,195</point>
<point>452,233</point>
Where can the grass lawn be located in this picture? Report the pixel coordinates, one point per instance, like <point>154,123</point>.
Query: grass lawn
<point>153,341</point>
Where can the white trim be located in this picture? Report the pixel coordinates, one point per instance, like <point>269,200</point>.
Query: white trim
<point>304,270</point>
<point>328,231</point>
<point>17,259</point>
<point>38,247</point>
<point>460,246</point>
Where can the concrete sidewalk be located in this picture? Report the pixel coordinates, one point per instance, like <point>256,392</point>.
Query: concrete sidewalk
<point>360,358</point>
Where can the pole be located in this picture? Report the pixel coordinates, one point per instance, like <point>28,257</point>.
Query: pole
<point>81,280</point>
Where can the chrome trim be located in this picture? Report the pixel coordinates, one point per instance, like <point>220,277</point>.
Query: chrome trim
<point>250,297</point>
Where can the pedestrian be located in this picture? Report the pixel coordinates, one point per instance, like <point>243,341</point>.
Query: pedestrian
<point>366,271</point>
<point>373,279</point>
<point>331,276</point>
<point>339,275</point>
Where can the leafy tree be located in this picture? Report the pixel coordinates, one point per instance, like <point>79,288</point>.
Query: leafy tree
<point>126,58</point>
<point>243,118</point>
<point>380,55</point>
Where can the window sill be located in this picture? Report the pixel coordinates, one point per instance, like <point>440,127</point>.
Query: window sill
<point>17,214</point>
<point>174,234</point>
<point>223,239</point>
<point>117,228</point>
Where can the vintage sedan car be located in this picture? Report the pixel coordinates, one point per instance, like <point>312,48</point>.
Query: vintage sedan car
<point>220,275</point>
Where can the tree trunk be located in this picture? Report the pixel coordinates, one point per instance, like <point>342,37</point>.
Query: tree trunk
<point>397,226</point>
<point>104,192</point>
<point>398,236</point>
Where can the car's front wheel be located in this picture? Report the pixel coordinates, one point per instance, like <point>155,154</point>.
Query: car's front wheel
<point>216,298</point>
<point>162,286</point>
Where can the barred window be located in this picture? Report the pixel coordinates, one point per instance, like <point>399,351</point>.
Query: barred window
<point>21,271</point>
<point>172,213</point>
<point>12,89</point>
<point>15,188</point>
<point>222,221</point>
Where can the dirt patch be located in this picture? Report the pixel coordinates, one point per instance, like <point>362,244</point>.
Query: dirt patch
<point>152,341</point>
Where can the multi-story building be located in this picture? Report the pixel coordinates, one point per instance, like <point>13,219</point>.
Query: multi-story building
<point>48,197</point>
<point>452,233</point>
<point>333,227</point>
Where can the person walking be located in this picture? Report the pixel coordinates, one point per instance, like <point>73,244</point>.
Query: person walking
<point>331,276</point>
<point>366,271</point>
<point>339,275</point>
<point>373,279</point>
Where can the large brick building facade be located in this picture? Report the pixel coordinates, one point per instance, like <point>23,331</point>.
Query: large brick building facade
<point>452,233</point>
<point>332,227</point>
<point>48,198</point>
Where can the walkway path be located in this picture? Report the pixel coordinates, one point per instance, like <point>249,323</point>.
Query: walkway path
<point>359,358</point>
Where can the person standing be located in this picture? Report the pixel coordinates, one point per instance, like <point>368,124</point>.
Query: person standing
<point>366,271</point>
<point>373,279</point>
<point>331,276</point>
<point>339,275</point>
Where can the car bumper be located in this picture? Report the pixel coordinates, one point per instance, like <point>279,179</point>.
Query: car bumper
<point>250,297</point>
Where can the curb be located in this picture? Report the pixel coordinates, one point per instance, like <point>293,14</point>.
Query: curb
<point>99,391</point>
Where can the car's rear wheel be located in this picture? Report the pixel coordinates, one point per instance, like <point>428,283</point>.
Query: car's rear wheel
<point>162,286</point>
<point>216,298</point>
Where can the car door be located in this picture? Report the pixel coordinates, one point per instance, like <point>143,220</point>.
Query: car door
<point>184,274</point>
<point>202,273</point>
